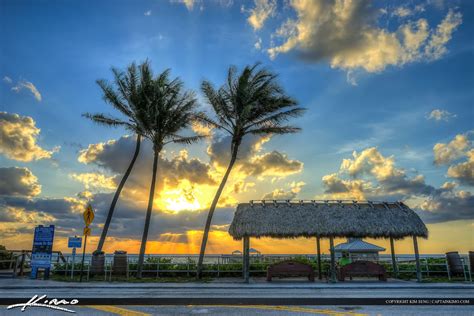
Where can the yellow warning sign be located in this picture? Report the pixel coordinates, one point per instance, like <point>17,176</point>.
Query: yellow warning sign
<point>88,215</point>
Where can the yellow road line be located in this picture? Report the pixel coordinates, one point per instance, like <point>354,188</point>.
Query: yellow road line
<point>295,309</point>
<point>117,310</point>
<point>128,312</point>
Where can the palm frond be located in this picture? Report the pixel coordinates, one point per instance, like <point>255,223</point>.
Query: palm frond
<point>188,140</point>
<point>277,118</point>
<point>103,119</point>
<point>111,97</point>
<point>201,117</point>
<point>274,130</point>
<point>251,102</point>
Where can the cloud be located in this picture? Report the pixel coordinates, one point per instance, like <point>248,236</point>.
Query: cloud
<point>29,86</point>
<point>455,149</point>
<point>20,215</point>
<point>188,3</point>
<point>272,164</point>
<point>147,13</point>
<point>15,181</point>
<point>94,180</point>
<point>261,12</point>
<point>224,3</point>
<point>373,176</point>
<point>348,35</point>
<point>7,79</point>
<point>182,182</point>
<point>436,47</point>
<point>283,194</point>
<point>464,171</point>
<point>242,186</point>
<point>402,12</point>
<point>115,156</point>
<point>345,189</point>
<point>18,136</point>
<point>251,161</point>
<point>64,213</point>
<point>440,115</point>
<point>258,44</point>
<point>391,180</point>
<point>447,204</point>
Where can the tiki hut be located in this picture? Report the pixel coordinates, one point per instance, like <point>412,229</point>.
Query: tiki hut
<point>326,219</point>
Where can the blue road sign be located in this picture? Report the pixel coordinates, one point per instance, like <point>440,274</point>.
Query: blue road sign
<point>74,242</point>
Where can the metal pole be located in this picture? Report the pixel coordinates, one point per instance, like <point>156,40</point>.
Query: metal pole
<point>66,267</point>
<point>189,259</point>
<point>333,260</point>
<point>83,256</point>
<point>15,267</point>
<point>447,268</point>
<point>318,246</point>
<point>417,259</point>
<point>73,261</point>
<point>246,259</point>
<point>394,259</point>
<point>22,263</point>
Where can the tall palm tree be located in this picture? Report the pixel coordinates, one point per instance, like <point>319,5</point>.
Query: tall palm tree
<point>126,96</point>
<point>251,102</point>
<point>170,109</point>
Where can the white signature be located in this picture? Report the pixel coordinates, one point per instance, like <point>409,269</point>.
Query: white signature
<point>41,301</point>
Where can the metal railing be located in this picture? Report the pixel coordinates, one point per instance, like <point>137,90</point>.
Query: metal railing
<point>223,265</point>
<point>157,266</point>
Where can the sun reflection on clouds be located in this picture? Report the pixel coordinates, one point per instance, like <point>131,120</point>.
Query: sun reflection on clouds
<point>185,196</point>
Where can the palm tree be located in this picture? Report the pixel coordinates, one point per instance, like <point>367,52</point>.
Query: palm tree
<point>126,97</point>
<point>169,110</point>
<point>251,102</point>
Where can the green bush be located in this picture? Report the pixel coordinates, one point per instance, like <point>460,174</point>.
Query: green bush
<point>5,256</point>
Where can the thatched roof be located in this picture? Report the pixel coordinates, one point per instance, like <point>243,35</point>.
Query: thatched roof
<point>290,219</point>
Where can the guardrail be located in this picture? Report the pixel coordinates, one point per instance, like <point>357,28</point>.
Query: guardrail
<point>228,265</point>
<point>223,265</point>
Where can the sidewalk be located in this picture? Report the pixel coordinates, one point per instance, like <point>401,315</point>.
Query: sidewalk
<point>285,284</point>
<point>231,293</point>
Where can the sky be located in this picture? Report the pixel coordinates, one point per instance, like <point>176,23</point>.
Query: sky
<point>387,86</point>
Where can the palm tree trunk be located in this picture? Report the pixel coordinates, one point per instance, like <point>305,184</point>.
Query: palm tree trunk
<point>149,210</point>
<point>117,195</point>
<point>213,208</point>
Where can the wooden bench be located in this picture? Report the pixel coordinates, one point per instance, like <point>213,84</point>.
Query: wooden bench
<point>290,268</point>
<point>362,268</point>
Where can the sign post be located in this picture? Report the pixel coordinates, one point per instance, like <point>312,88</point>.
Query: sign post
<point>88,218</point>
<point>42,250</point>
<point>74,242</point>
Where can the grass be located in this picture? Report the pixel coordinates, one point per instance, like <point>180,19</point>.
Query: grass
<point>62,278</point>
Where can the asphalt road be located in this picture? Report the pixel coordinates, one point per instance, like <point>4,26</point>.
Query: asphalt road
<point>280,294</point>
<point>251,310</point>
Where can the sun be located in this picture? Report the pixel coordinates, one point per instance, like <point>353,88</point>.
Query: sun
<point>180,203</point>
<point>184,197</point>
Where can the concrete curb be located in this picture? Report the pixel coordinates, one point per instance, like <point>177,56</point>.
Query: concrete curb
<point>243,287</point>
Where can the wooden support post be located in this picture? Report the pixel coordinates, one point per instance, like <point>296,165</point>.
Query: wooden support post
<point>417,259</point>
<point>333,260</point>
<point>318,246</point>
<point>246,259</point>
<point>394,259</point>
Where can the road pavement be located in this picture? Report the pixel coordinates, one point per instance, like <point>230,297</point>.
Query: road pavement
<point>276,298</point>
